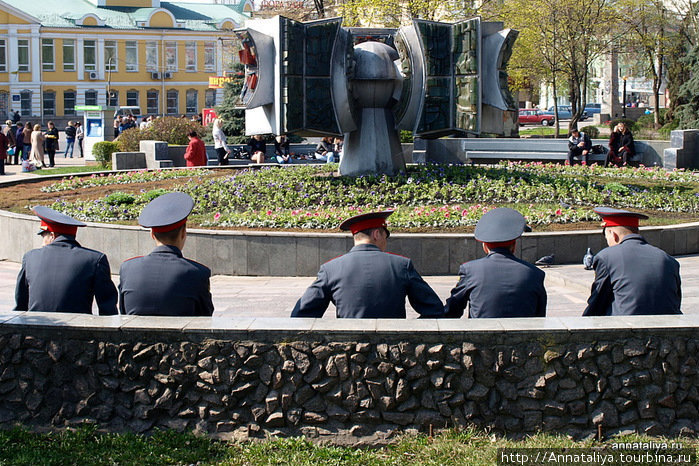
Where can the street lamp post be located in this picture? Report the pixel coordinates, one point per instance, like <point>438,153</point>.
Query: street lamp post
<point>623,107</point>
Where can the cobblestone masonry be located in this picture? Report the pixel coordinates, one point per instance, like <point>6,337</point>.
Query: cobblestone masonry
<point>349,385</point>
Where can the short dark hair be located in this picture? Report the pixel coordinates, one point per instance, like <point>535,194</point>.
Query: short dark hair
<point>369,231</point>
<point>193,134</point>
<point>169,237</point>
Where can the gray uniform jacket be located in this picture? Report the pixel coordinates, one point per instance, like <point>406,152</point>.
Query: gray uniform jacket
<point>498,285</point>
<point>634,278</point>
<point>164,283</point>
<point>368,283</point>
<point>64,277</point>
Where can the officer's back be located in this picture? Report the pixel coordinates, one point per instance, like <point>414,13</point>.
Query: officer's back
<point>164,282</point>
<point>63,276</point>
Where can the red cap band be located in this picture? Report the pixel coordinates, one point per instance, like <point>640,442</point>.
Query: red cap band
<point>504,244</point>
<point>367,224</point>
<point>166,228</point>
<point>59,229</point>
<point>620,221</point>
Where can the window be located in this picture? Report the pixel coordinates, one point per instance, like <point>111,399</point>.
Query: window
<point>171,56</point>
<point>131,55</point>
<point>25,101</point>
<point>151,56</point>
<point>113,100</point>
<point>69,102</point>
<point>191,104</point>
<point>68,55</point>
<point>90,55</point>
<point>209,56</point>
<point>172,106</point>
<point>90,97</point>
<point>110,55</point>
<point>3,55</point>
<point>4,101</point>
<point>190,52</point>
<point>49,103</point>
<point>210,98</point>
<point>132,99</point>
<point>152,104</point>
<point>23,55</point>
<point>47,59</point>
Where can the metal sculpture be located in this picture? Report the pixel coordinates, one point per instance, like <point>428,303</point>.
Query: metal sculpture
<point>433,79</point>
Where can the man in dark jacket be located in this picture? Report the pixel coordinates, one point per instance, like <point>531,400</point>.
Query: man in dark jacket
<point>164,283</point>
<point>63,276</point>
<point>631,276</point>
<point>367,282</point>
<point>579,145</point>
<point>499,284</point>
<point>70,139</point>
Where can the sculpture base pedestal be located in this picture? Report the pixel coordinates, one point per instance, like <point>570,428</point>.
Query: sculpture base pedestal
<point>366,150</point>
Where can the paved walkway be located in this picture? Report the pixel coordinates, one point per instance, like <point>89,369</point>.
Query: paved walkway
<point>568,288</point>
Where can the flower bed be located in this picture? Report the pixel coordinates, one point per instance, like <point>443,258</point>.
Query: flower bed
<point>432,196</point>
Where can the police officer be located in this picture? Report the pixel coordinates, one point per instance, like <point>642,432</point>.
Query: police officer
<point>631,276</point>
<point>63,276</point>
<point>499,284</point>
<point>164,283</point>
<point>368,282</point>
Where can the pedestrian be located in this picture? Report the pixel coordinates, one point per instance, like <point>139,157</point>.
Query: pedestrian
<point>80,135</point>
<point>117,124</point>
<point>579,145</point>
<point>63,276</point>
<point>222,150</point>
<point>4,145</point>
<point>258,148</point>
<point>499,284</point>
<point>281,149</point>
<point>368,282</point>
<point>16,117</point>
<point>10,134</point>
<point>631,276</point>
<point>195,154</point>
<point>51,143</point>
<point>37,151</point>
<point>164,283</point>
<point>70,139</point>
<point>19,141</point>
<point>27,132</point>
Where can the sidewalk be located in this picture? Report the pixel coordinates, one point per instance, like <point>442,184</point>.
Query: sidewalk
<point>14,172</point>
<point>568,287</point>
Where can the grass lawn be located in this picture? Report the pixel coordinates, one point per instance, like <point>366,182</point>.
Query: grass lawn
<point>68,170</point>
<point>85,446</point>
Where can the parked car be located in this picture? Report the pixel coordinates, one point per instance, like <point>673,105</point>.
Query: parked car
<point>565,112</point>
<point>534,116</point>
<point>591,109</point>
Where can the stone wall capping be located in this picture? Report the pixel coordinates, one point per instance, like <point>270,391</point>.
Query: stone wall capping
<point>216,324</point>
<point>154,323</point>
<point>89,321</point>
<point>280,324</point>
<point>399,325</point>
<point>7,315</point>
<point>469,325</point>
<point>662,321</point>
<point>42,319</point>
<point>521,324</point>
<point>612,324</point>
<point>355,326</point>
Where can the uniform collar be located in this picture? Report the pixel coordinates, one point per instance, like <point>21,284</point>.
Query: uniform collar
<point>501,251</point>
<point>65,240</point>
<point>365,247</point>
<point>167,249</point>
<point>633,237</point>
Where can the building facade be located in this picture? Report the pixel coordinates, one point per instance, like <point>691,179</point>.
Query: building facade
<point>56,54</point>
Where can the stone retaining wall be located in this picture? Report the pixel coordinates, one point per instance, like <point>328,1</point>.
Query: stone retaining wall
<point>350,380</point>
<point>301,254</point>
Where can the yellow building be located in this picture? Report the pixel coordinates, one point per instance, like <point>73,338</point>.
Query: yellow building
<point>56,54</point>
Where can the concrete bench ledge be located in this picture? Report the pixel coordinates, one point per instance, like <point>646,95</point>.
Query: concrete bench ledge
<point>278,326</point>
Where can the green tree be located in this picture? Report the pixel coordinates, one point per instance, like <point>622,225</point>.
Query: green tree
<point>231,111</point>
<point>687,113</point>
